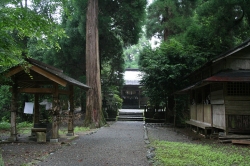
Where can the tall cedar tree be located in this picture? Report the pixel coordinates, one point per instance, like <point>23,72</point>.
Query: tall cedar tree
<point>94,116</point>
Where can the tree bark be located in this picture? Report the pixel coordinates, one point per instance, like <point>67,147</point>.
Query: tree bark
<point>94,116</point>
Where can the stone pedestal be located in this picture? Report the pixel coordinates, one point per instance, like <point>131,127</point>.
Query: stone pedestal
<point>70,134</point>
<point>41,136</point>
<point>53,140</point>
<point>12,138</point>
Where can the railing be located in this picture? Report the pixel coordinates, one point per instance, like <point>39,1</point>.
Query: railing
<point>154,114</point>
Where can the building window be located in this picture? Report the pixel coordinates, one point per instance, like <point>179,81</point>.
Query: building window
<point>238,89</point>
<point>129,92</point>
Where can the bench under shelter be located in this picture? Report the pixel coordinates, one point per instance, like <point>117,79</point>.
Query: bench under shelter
<point>38,78</point>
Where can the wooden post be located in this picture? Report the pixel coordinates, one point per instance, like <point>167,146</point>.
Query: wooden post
<point>36,110</point>
<point>139,98</point>
<point>13,131</point>
<point>55,115</point>
<point>71,112</point>
<point>203,104</point>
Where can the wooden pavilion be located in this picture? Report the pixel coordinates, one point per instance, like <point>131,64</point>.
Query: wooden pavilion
<point>220,93</point>
<point>39,78</point>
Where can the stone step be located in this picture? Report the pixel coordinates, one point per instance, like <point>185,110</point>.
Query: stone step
<point>131,113</point>
<point>130,118</point>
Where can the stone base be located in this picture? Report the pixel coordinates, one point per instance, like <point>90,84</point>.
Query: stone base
<point>53,140</point>
<point>70,134</point>
<point>41,136</point>
<point>12,138</point>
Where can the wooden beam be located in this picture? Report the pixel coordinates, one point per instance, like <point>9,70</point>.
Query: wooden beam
<point>42,91</point>
<point>246,142</point>
<point>36,90</point>
<point>14,71</point>
<point>49,75</point>
<point>63,92</point>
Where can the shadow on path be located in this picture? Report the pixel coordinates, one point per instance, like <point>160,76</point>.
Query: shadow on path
<point>121,144</point>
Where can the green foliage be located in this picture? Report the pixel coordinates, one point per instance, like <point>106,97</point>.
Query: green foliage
<point>119,25</point>
<point>4,125</point>
<point>169,17</point>
<point>194,32</point>
<point>218,30</point>
<point>1,160</point>
<point>5,99</point>
<point>81,129</point>
<point>18,26</point>
<point>132,53</point>
<point>77,129</point>
<point>124,18</point>
<point>179,154</point>
<point>24,124</point>
<point>164,69</point>
<point>111,98</point>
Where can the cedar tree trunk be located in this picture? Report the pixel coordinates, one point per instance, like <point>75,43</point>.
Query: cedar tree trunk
<point>94,116</point>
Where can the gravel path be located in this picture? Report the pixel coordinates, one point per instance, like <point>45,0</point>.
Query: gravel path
<point>169,133</point>
<point>121,144</point>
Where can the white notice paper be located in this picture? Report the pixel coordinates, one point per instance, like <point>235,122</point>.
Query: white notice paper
<point>48,105</point>
<point>28,108</point>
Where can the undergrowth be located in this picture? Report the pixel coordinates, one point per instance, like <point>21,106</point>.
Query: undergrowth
<point>184,154</point>
<point>4,125</point>
<point>77,129</point>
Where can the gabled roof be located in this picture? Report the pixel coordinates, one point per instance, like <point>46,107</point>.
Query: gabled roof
<point>223,55</point>
<point>132,77</point>
<point>224,76</point>
<point>230,76</point>
<point>45,72</point>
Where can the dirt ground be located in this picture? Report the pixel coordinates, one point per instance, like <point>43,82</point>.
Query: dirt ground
<point>31,152</point>
<point>28,152</point>
<point>176,134</point>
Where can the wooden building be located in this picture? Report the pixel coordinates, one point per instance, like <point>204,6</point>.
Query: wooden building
<point>132,92</point>
<point>38,78</point>
<point>220,93</point>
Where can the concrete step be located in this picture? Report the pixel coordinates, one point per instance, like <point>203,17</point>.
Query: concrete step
<point>130,116</point>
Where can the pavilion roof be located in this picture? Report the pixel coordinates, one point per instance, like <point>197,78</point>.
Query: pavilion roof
<point>39,72</point>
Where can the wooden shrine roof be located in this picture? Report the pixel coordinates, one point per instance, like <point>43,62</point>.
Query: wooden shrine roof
<point>223,76</point>
<point>39,73</point>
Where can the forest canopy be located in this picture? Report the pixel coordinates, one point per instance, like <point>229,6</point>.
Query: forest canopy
<point>192,33</point>
<point>54,32</point>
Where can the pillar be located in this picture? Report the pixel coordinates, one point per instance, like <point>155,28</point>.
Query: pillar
<point>36,111</point>
<point>55,115</point>
<point>13,131</point>
<point>71,112</point>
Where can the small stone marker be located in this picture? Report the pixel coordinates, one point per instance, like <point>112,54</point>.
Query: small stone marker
<point>41,136</point>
